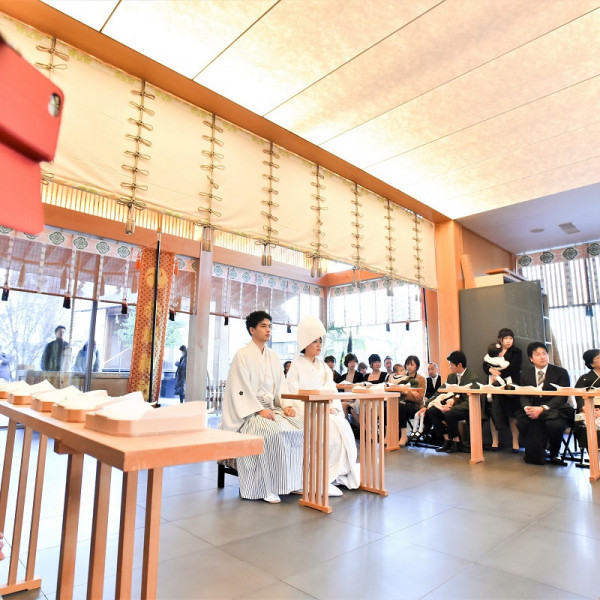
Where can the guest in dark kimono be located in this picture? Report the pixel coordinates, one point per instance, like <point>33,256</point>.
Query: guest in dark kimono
<point>180,374</point>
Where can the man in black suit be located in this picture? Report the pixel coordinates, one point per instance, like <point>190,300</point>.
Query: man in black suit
<point>455,409</point>
<point>433,381</point>
<point>544,418</point>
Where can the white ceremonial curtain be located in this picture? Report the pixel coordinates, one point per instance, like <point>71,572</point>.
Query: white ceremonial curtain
<point>92,151</point>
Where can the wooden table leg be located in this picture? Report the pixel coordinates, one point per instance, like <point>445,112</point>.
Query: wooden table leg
<point>20,508</point>
<point>592,438</point>
<point>37,507</point>
<point>316,456</point>
<point>152,533</point>
<point>6,470</point>
<point>475,428</point>
<point>392,434</point>
<point>68,545</point>
<point>126,535</point>
<point>97,563</point>
<point>372,465</point>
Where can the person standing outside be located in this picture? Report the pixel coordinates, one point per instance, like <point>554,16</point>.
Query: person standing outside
<point>180,374</point>
<point>252,405</point>
<point>53,352</point>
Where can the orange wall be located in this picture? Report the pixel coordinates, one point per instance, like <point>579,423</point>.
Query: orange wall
<point>484,254</point>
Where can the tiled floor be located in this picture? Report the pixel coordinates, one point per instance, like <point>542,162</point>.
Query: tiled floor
<point>498,530</point>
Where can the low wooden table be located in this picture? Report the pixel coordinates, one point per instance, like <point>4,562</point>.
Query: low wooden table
<point>475,419</point>
<point>152,452</point>
<point>316,443</point>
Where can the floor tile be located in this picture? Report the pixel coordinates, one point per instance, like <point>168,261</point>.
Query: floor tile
<point>386,515</point>
<point>276,591</point>
<point>292,549</point>
<point>384,569</point>
<point>582,518</point>
<point>555,558</point>
<point>461,533</point>
<point>477,582</point>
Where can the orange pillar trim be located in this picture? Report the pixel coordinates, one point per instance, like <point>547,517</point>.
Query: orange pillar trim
<point>142,336</point>
<point>448,250</point>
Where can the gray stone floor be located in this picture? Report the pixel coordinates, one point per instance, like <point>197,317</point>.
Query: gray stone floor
<point>498,530</point>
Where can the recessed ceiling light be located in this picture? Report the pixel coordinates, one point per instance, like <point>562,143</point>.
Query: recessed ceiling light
<point>536,230</point>
<point>568,228</point>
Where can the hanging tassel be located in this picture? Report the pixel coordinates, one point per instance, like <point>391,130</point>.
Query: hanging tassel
<point>171,314</point>
<point>350,342</point>
<point>387,327</point>
<point>102,290</point>
<point>22,276</point>
<point>138,261</point>
<point>269,257</point>
<point>5,291</point>
<point>67,301</point>
<point>134,283</point>
<point>130,223</point>
<point>390,290</point>
<point>176,268</point>
<point>313,268</point>
<point>589,311</point>
<point>124,307</point>
<point>354,284</point>
<point>263,258</point>
<point>226,319</point>
<point>407,325</point>
<point>64,283</point>
<point>207,239</point>
<point>319,267</point>
<point>289,327</point>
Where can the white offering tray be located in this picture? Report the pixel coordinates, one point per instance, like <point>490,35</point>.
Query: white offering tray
<point>43,401</point>
<point>490,389</point>
<point>137,418</point>
<point>526,388</point>
<point>367,387</point>
<point>74,408</point>
<point>569,389</point>
<point>21,393</point>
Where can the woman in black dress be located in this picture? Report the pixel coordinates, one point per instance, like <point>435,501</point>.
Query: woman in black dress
<point>505,408</point>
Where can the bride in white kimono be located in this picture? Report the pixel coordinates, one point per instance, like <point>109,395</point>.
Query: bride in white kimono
<point>309,372</point>
<point>252,405</point>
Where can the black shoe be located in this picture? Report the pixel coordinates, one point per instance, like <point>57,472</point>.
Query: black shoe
<point>454,447</point>
<point>444,447</point>
<point>555,460</point>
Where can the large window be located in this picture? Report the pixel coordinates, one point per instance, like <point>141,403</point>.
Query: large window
<point>371,321</point>
<point>572,287</point>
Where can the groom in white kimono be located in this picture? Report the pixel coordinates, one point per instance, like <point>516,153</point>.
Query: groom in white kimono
<point>252,405</point>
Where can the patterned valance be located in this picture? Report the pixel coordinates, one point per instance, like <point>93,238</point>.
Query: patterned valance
<point>559,254</point>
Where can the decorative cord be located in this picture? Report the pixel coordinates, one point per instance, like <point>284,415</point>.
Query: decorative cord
<point>207,226</point>
<point>53,52</point>
<point>134,169</point>
<point>357,238</point>
<point>417,248</point>
<point>316,268</point>
<point>388,280</point>
<point>268,242</point>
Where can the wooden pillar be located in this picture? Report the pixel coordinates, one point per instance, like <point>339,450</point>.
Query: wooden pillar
<point>197,361</point>
<point>448,250</point>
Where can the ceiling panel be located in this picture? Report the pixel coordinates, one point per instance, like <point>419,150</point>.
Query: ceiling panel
<point>184,35</point>
<point>93,14</point>
<point>297,43</point>
<point>570,148</point>
<point>562,58</point>
<point>567,110</point>
<point>427,53</point>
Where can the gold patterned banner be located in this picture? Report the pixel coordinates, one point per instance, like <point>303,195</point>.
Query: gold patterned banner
<point>142,336</point>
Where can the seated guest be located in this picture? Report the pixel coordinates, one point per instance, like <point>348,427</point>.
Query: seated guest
<point>411,400</point>
<point>351,376</point>
<point>309,372</point>
<point>387,365</point>
<point>362,369</point>
<point>543,419</point>
<point>589,380</point>
<point>286,367</point>
<point>433,380</point>
<point>455,409</point>
<point>252,405</point>
<point>330,362</point>
<point>376,375</point>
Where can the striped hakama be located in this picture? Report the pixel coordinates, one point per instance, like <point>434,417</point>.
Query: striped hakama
<point>255,382</point>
